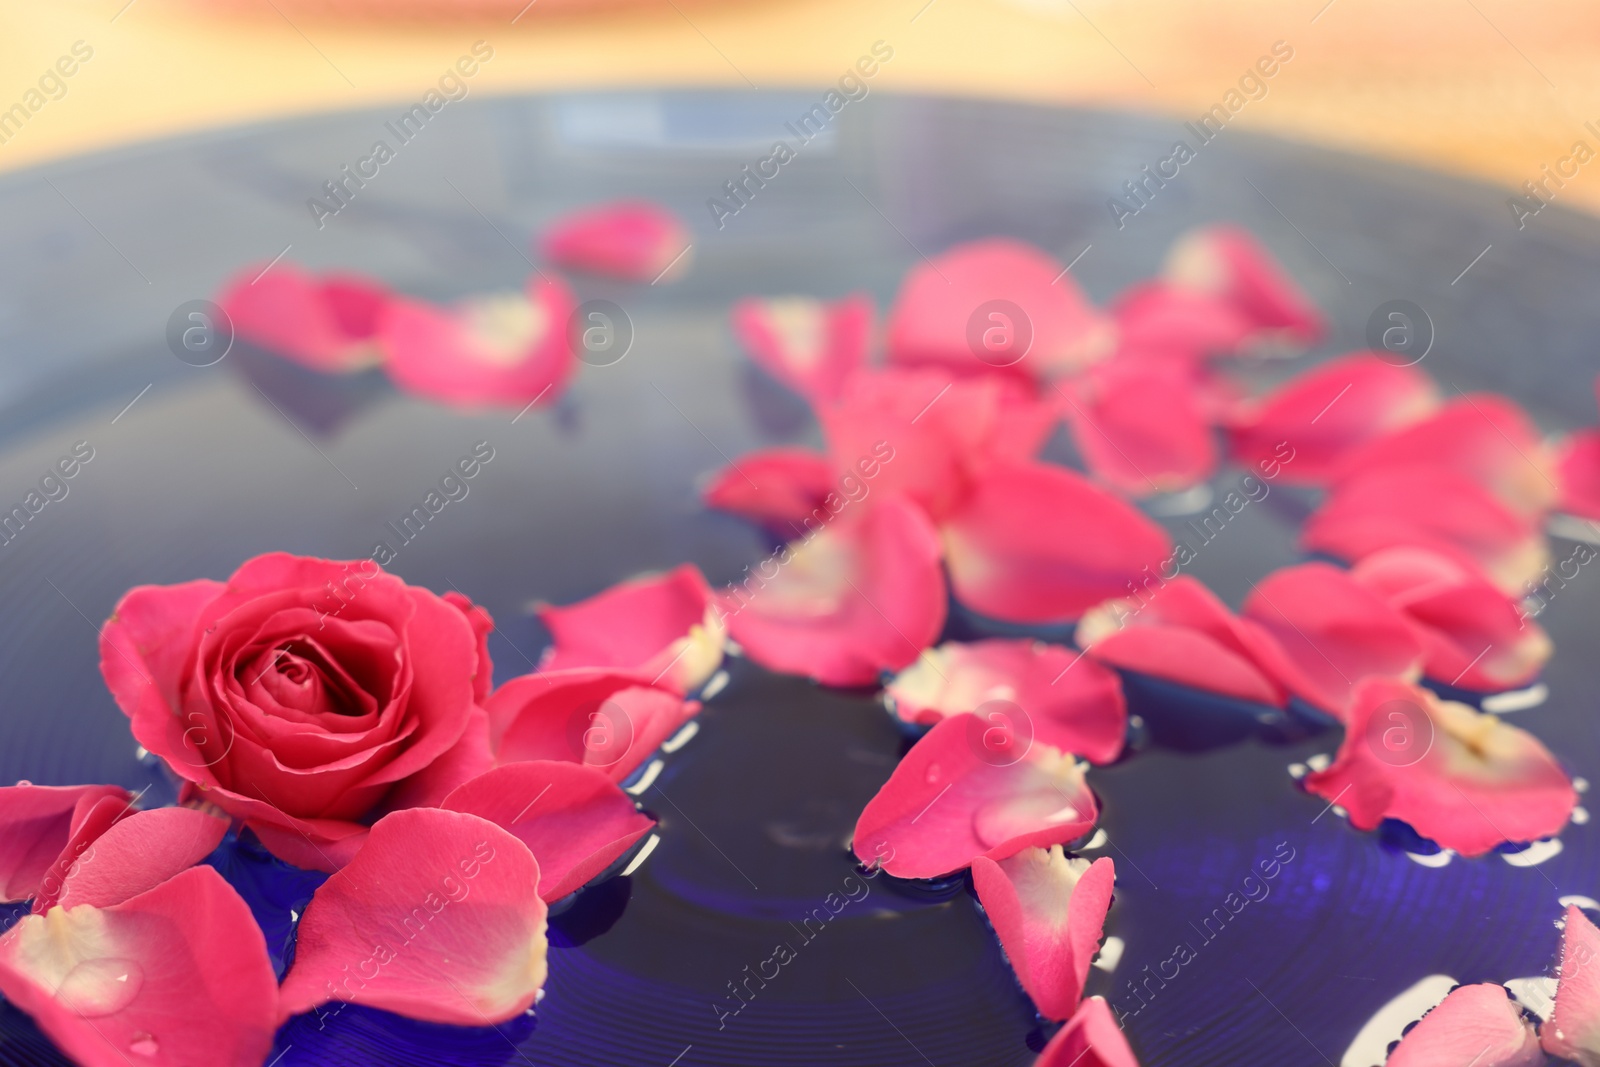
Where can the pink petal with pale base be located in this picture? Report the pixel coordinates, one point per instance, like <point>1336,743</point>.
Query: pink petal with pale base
<point>1472,634</point>
<point>437,918</point>
<point>664,627</point>
<point>932,319</point>
<point>778,487</point>
<point>809,345</point>
<point>37,823</point>
<point>138,854</point>
<point>1046,692</point>
<point>1578,474</point>
<point>328,323</point>
<point>1335,632</point>
<point>177,975</point>
<point>1573,1029</point>
<point>505,349</point>
<point>1460,777</point>
<point>1141,426</point>
<point>1091,1038</point>
<point>1476,1024</point>
<point>861,596</point>
<point>1049,912</point>
<point>964,792</point>
<point>634,240</point>
<point>573,818</point>
<point>1039,543</point>
<point>1230,264</point>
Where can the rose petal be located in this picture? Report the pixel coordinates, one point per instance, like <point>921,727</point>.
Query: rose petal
<point>1091,1038</point>
<point>176,975</point>
<point>1335,632</point>
<point>807,344</point>
<point>1578,474</point>
<point>1048,912</point>
<point>1573,1030</point>
<point>1042,691</point>
<point>1158,320</point>
<point>329,323</point>
<point>573,818</point>
<point>482,624</point>
<point>943,304</point>
<point>1141,426</point>
<point>859,597</point>
<point>635,240</point>
<point>663,627</point>
<point>961,792</point>
<point>139,853</point>
<point>1459,777</point>
<point>778,487</point>
<point>1038,543</point>
<point>37,823</point>
<point>1476,1024</point>
<point>1229,263</point>
<point>437,918</point>
<point>1311,424</point>
<point>507,349</point>
<point>1189,658</point>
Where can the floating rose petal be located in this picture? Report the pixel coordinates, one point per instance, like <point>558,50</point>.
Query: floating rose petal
<point>1578,473</point>
<point>778,487</point>
<point>664,627</point>
<point>1326,413</point>
<point>1476,1024</point>
<point>1048,912</point>
<point>1230,264</point>
<point>138,854</point>
<point>328,323</point>
<point>996,304</point>
<point>508,348</point>
<point>176,975</point>
<point>1091,1038</point>
<point>807,344</point>
<point>608,719</point>
<point>634,240</point>
<point>436,918</point>
<point>1160,320</point>
<point>963,792</point>
<point>1573,1030</point>
<point>1335,632</point>
<point>37,825</point>
<point>1040,691</point>
<point>1473,635</point>
<point>1461,778</point>
<point>1141,426</point>
<point>574,819</point>
<point>861,596</point>
<point>1428,507</point>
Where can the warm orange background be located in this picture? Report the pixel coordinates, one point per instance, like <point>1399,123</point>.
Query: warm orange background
<point>1488,87</point>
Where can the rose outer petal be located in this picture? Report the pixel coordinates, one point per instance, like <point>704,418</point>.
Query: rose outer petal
<point>1476,1024</point>
<point>1573,1030</point>
<point>37,824</point>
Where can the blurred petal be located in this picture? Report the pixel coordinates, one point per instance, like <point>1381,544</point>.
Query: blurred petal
<point>807,344</point>
<point>436,918</point>
<point>1573,1030</point>
<point>1159,320</point>
<point>1048,912</point>
<point>777,487</point>
<point>1039,543</point>
<point>328,323</point>
<point>1476,1024</point>
<point>1578,473</point>
<point>963,792</point>
<point>36,825</point>
<point>634,240</point>
<point>1228,263</point>
<point>1141,426</point>
<point>1461,778</point>
<point>1091,1038</point>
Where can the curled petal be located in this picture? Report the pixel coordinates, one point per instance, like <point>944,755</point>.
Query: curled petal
<point>1041,691</point>
<point>1039,543</point>
<point>329,324</point>
<point>1141,426</point>
<point>1459,777</point>
<point>1230,264</point>
<point>1091,1038</point>
<point>1573,1030</point>
<point>1335,632</point>
<point>482,624</point>
<point>1473,635</point>
<point>37,824</point>
<point>807,344</point>
<point>1310,425</point>
<point>508,348</point>
<point>635,240</point>
<point>965,791</point>
<point>778,487</point>
<point>1048,912</point>
<point>663,627</point>
<point>1476,1024</point>
<point>573,818</point>
<point>1428,507</point>
<point>996,304</point>
<point>138,854</point>
<point>175,975</point>
<point>437,918</point>
<point>859,597</point>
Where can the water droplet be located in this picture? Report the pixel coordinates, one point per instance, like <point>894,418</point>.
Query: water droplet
<point>101,987</point>
<point>23,781</point>
<point>934,774</point>
<point>144,1044</point>
<point>1580,816</point>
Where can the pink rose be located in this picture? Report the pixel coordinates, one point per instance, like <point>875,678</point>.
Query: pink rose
<point>305,696</point>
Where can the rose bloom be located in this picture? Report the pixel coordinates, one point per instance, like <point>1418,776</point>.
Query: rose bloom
<point>305,697</point>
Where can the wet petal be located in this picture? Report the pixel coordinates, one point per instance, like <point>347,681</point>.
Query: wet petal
<point>635,240</point>
<point>1141,426</point>
<point>1230,264</point>
<point>778,487</point>
<point>1573,1029</point>
<point>1476,1024</point>
<point>810,345</point>
<point>437,918</point>
<point>36,825</point>
<point>1048,912</point>
<point>328,323</point>
<point>1091,1038</point>
<point>139,853</point>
